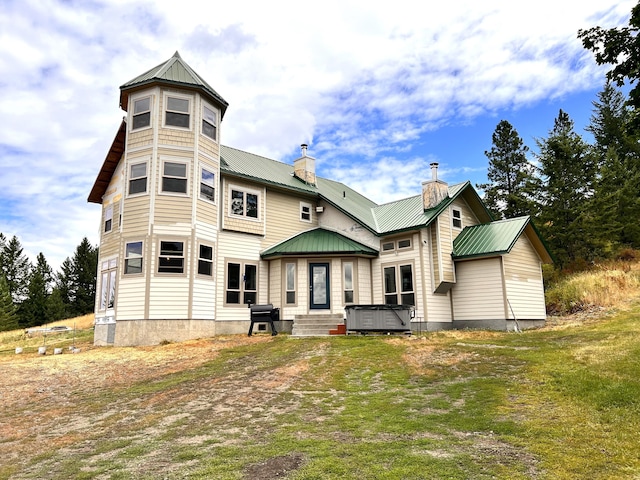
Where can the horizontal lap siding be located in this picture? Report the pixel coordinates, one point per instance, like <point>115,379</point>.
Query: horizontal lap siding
<point>169,298</point>
<point>135,217</point>
<point>171,209</point>
<point>478,294</point>
<point>204,299</point>
<point>130,301</point>
<point>523,278</point>
<point>283,217</point>
<point>364,281</point>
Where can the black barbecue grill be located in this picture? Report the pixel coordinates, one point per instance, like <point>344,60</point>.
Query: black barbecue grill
<point>264,314</point>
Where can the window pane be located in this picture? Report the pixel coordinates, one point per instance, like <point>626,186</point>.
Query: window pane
<point>178,185</point>
<point>408,299</point>
<point>348,276</point>
<point>133,249</point>
<point>237,202</point>
<point>139,170</point>
<point>404,243</point>
<point>104,290</point>
<point>233,276</point>
<point>208,130</point>
<point>206,252</point>
<point>390,280</point>
<point>252,205</point>
<point>388,246</point>
<point>233,297</point>
<point>348,296</point>
<point>207,177</point>
<point>133,265</point>
<point>250,277</point>
<point>291,270</point>
<point>391,299</point>
<point>138,186</point>
<point>209,115</point>
<point>112,289</point>
<point>250,297</point>
<point>175,169</point>
<point>107,226</point>
<point>204,267</point>
<point>207,192</point>
<point>170,265</point>
<point>177,119</point>
<point>178,104</point>
<point>142,105</point>
<point>171,248</point>
<point>142,120</point>
<point>291,297</point>
<point>406,278</point>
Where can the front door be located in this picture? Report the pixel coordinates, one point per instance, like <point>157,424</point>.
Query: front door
<point>319,285</point>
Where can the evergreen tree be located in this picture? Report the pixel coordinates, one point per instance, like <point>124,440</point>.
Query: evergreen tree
<point>85,265</point>
<point>568,174</point>
<point>34,310</point>
<point>617,189</point>
<point>15,268</point>
<point>512,179</point>
<point>8,311</point>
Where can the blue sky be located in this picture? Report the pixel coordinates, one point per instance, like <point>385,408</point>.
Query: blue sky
<point>377,92</point>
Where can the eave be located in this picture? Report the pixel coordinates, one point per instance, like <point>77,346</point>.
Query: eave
<point>109,165</point>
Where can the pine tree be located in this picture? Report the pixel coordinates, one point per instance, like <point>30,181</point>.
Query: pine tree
<point>34,309</point>
<point>15,268</point>
<point>512,179</point>
<point>568,173</point>
<point>76,282</point>
<point>8,311</point>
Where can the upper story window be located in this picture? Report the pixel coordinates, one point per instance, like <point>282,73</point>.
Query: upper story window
<point>395,245</point>
<point>108,219</point>
<point>138,178</point>
<point>305,212</point>
<point>174,177</point>
<point>133,258</point>
<point>177,112</point>
<point>209,123</point>
<point>171,259</point>
<point>207,185</point>
<point>244,203</point>
<point>456,218</point>
<point>141,113</point>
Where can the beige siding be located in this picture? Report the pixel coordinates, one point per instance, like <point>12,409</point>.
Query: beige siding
<point>333,219</point>
<point>478,294</point>
<point>446,246</point>
<point>276,291</point>
<point>177,136</point>
<point>172,209</point>
<point>523,278</point>
<point>439,307</point>
<point>168,297</point>
<point>130,300</point>
<point>283,217</point>
<point>140,139</point>
<point>436,262</point>
<point>364,280</point>
<point>135,215</point>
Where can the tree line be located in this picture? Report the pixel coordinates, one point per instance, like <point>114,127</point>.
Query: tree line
<point>584,196</point>
<point>32,294</point>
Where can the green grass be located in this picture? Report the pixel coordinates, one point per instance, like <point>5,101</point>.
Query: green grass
<point>556,404</point>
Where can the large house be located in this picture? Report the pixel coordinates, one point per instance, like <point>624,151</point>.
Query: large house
<point>193,231</point>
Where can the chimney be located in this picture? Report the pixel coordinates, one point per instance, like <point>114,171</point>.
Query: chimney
<point>304,167</point>
<point>434,191</point>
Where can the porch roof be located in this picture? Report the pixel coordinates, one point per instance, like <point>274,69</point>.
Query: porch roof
<point>318,242</point>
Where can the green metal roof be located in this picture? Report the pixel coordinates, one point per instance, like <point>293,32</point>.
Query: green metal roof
<point>174,71</point>
<point>489,239</point>
<point>401,215</point>
<point>319,242</point>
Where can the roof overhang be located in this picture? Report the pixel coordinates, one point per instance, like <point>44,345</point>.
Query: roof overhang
<point>109,165</point>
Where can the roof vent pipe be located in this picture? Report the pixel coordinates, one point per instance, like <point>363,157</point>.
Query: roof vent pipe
<point>303,147</point>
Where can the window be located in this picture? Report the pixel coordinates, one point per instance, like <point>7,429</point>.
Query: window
<point>171,259</point>
<point>290,283</point>
<point>138,178</point>
<point>205,260</point>
<point>347,278</point>
<point>399,276</point>
<point>141,113</point>
<point>174,177</point>
<point>209,123</point>
<point>305,212</point>
<point>394,245</point>
<point>133,258</point>
<point>244,203</point>
<point>177,112</point>
<point>108,218</point>
<point>242,283</point>
<point>108,284</point>
<point>207,185</point>
<point>456,218</point>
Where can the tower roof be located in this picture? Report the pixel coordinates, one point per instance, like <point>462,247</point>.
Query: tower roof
<point>176,72</point>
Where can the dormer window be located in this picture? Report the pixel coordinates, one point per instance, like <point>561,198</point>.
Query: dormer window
<point>141,113</point>
<point>209,123</point>
<point>177,112</point>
